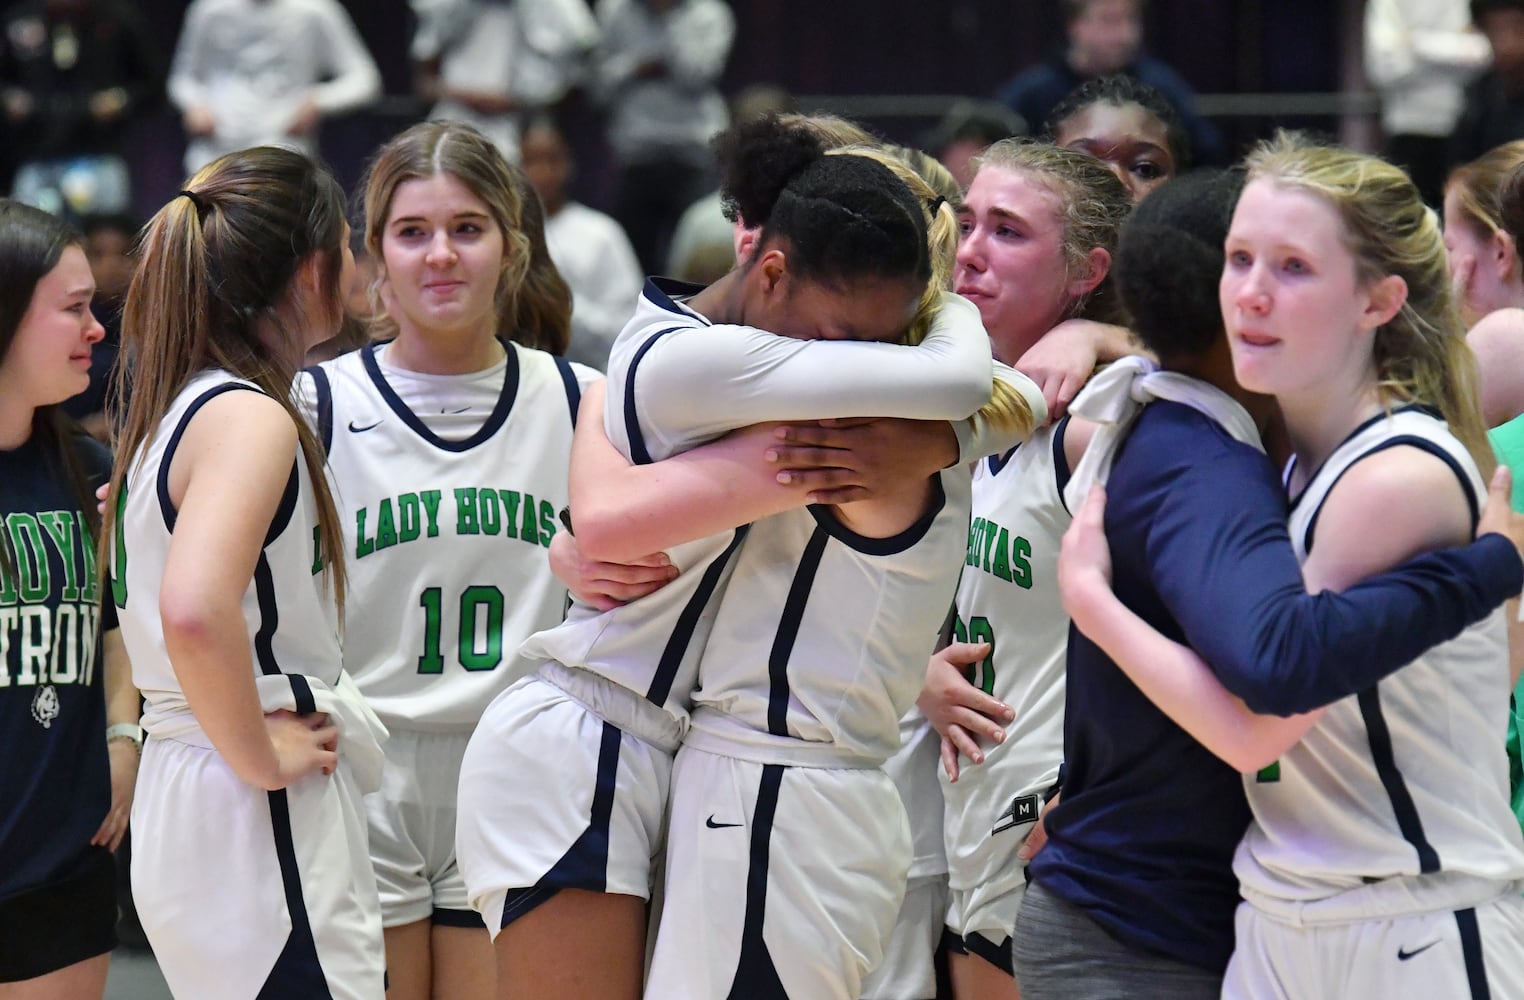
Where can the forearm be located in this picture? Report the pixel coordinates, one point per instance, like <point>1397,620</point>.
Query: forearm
<point>1180,683</point>
<point>1308,650</point>
<point>625,511</point>
<point>123,703</point>
<point>215,670</point>
<point>701,383</point>
<point>355,79</point>
<point>978,437</point>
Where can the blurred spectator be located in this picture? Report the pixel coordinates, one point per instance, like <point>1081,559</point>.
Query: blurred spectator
<point>361,304</point>
<point>703,242</point>
<point>73,74</point>
<point>656,68</point>
<point>589,248</point>
<point>484,61</point>
<point>251,72</point>
<point>1420,54</point>
<point>968,130</point>
<point>109,248</point>
<point>1105,37</point>
<point>1494,106</point>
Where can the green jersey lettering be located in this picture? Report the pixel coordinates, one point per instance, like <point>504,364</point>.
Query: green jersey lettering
<point>363,546</point>
<point>528,530</point>
<point>60,526</point>
<point>430,500</point>
<point>466,521</point>
<point>386,525</point>
<point>409,525</point>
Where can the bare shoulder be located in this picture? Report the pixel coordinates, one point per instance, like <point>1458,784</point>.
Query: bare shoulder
<point>237,437</point>
<point>1497,340</point>
<point>1386,509</point>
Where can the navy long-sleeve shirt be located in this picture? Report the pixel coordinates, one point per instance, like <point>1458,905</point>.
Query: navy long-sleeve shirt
<point>1144,835</point>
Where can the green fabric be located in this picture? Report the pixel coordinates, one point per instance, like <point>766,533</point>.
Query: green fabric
<point>1508,444</point>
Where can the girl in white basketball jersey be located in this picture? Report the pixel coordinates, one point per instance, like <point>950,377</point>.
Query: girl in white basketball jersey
<point>448,445</point>
<point>554,860</point>
<point>1038,226</point>
<point>1382,859</point>
<point>250,870</point>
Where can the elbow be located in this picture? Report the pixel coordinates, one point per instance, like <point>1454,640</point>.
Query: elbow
<point>1252,757</point>
<point>602,535</point>
<point>1271,697</point>
<point>189,619</point>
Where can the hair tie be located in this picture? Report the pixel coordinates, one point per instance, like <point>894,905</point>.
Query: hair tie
<point>936,205</point>
<point>196,200</point>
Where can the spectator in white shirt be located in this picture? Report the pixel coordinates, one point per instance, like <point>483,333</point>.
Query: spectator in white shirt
<point>657,69</point>
<point>258,72</point>
<point>1420,54</point>
<point>589,248</point>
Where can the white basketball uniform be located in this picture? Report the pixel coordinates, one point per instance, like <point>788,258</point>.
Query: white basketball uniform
<point>818,651</point>
<point>1383,860</point>
<point>1008,597</point>
<point>909,967</point>
<point>448,487</point>
<point>245,892</point>
<point>610,700</point>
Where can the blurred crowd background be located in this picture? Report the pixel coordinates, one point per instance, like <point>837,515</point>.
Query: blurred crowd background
<point>898,65</point>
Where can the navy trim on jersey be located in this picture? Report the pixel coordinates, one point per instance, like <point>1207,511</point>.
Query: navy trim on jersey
<point>1471,951</point>
<point>297,972</point>
<point>1061,470</point>
<point>756,976</point>
<point>998,462</point>
<point>687,623</point>
<point>664,292</point>
<point>324,406</point>
<point>788,631</point>
<point>998,955</point>
<point>166,506</point>
<point>825,517</point>
<point>287,508</point>
<point>638,452</point>
<point>494,420</point>
<point>573,387</point>
<point>269,616</point>
<point>1291,462</point>
<point>1380,739</point>
<point>469,919</point>
<point>585,864</point>
<point>301,694</point>
<point>1422,444</point>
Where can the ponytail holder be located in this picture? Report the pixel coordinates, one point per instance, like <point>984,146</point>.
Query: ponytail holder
<point>196,200</point>
<point>936,204</point>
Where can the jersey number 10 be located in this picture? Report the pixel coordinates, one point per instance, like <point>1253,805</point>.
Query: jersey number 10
<point>475,601</point>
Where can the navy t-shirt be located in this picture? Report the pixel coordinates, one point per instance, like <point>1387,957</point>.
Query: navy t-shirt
<point>54,777</point>
<point>1144,835</point>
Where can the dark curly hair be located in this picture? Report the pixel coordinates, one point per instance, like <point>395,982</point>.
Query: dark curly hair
<point>1119,90</point>
<point>1169,260</point>
<point>843,216</point>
